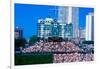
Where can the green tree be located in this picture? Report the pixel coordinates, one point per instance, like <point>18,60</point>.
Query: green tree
<point>33,39</point>
<point>20,42</point>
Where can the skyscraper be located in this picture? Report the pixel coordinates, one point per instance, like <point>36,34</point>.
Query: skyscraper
<point>62,29</point>
<point>75,22</point>
<point>66,26</point>
<point>62,21</point>
<point>69,30</point>
<point>41,28</point>
<point>82,33</point>
<point>63,14</point>
<point>90,27</point>
<point>69,15</point>
<point>45,27</point>
<point>55,28</point>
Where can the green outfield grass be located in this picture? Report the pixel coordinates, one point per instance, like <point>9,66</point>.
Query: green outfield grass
<point>26,59</point>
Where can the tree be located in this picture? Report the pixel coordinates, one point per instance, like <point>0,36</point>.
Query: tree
<point>33,39</point>
<point>20,42</point>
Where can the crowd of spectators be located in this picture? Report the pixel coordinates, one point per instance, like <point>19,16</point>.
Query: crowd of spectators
<point>44,46</point>
<point>64,46</point>
<point>72,57</point>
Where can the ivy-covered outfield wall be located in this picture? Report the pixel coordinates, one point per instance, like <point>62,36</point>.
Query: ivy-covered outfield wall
<point>37,58</point>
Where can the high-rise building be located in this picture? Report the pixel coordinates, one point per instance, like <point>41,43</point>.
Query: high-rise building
<point>75,22</point>
<point>18,33</point>
<point>90,27</point>
<point>62,19</point>
<point>69,15</point>
<point>55,28</point>
<point>45,27</point>
<point>62,29</point>
<point>82,33</point>
<point>69,30</point>
<point>41,28</point>
<point>62,14</point>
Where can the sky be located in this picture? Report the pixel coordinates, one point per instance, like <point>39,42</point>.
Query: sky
<point>26,16</point>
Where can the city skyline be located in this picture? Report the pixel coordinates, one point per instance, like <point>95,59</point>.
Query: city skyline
<point>27,15</point>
